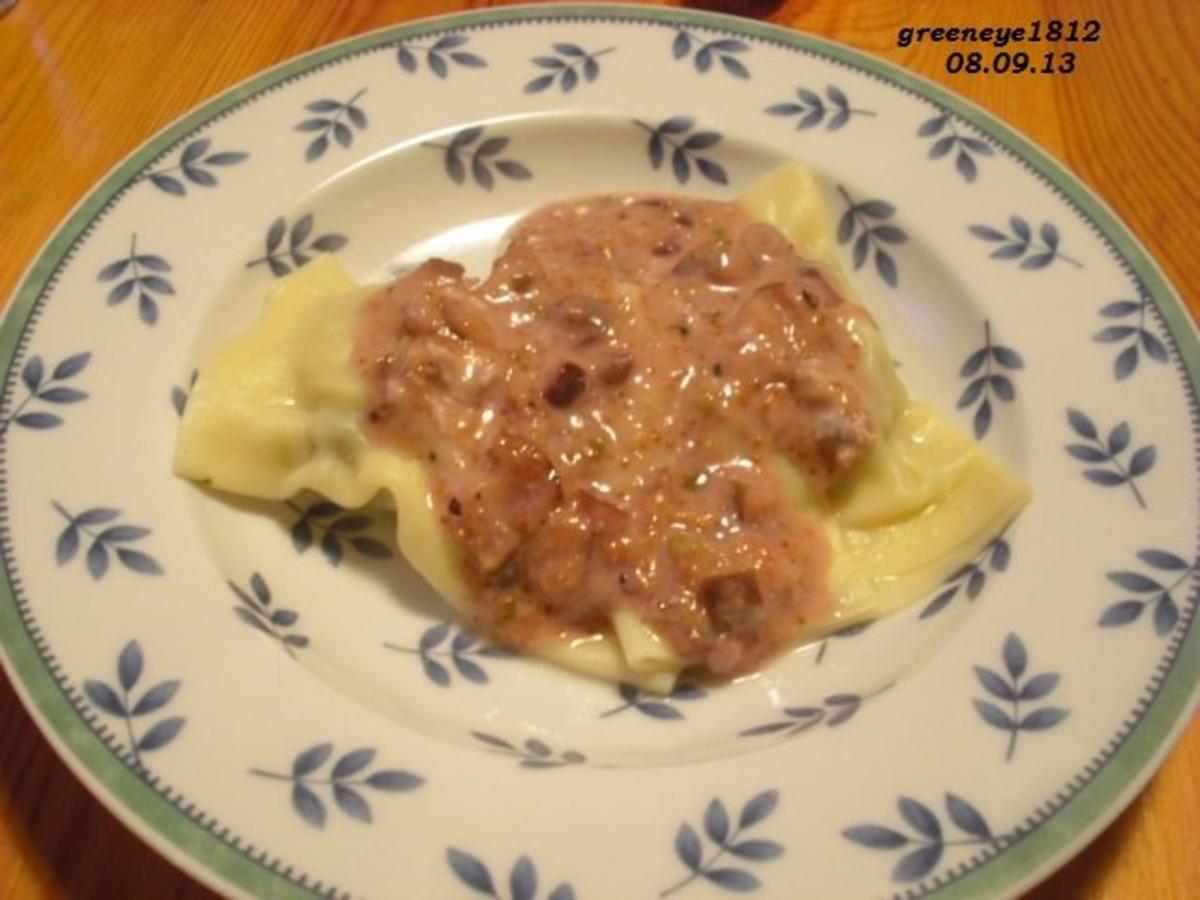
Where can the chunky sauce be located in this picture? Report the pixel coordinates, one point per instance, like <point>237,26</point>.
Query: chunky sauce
<point>598,416</point>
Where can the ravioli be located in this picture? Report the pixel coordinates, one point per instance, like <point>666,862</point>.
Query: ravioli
<point>281,409</point>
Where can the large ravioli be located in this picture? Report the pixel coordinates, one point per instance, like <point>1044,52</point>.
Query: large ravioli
<point>278,409</point>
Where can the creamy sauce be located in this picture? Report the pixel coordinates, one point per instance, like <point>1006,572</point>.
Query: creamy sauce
<point>599,413</point>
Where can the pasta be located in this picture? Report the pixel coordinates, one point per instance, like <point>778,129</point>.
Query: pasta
<point>281,409</point>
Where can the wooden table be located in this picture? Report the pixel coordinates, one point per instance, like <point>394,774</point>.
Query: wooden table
<point>83,82</point>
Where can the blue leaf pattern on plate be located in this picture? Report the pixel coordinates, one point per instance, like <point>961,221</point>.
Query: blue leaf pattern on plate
<point>145,277</point>
<point>440,56</point>
<point>866,223</point>
<point>812,110</point>
<point>180,393</point>
<point>300,245</point>
<point>654,706</point>
<point>533,754</point>
<point>1136,338</point>
<point>1107,469</point>
<point>334,120</point>
<point>1013,692</point>
<point>684,151</point>
<point>988,369</point>
<point>835,710</point>
<point>725,835</point>
<point>946,140</point>
<point>112,539</point>
<point>463,650</point>
<point>995,556</point>
<point>522,880</point>
<point>334,529</point>
<point>719,50</point>
<point>121,702</point>
<point>1150,593</point>
<point>346,780</point>
<point>196,167</point>
<point>1020,243</point>
<point>467,153</point>
<point>255,610</point>
<point>568,66</point>
<point>842,633</point>
<point>45,389</point>
<point>926,846</point>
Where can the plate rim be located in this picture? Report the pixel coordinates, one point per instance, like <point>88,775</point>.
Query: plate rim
<point>1142,742</point>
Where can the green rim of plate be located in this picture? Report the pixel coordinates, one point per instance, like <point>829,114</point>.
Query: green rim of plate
<point>191,839</point>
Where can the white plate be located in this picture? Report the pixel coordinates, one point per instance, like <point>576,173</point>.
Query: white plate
<point>280,724</point>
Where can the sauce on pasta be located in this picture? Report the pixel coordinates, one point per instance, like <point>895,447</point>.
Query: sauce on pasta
<point>598,416</point>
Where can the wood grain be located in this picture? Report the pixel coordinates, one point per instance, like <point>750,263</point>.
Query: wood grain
<point>82,83</point>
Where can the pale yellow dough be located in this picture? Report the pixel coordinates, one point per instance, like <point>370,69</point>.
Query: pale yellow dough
<point>277,410</point>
